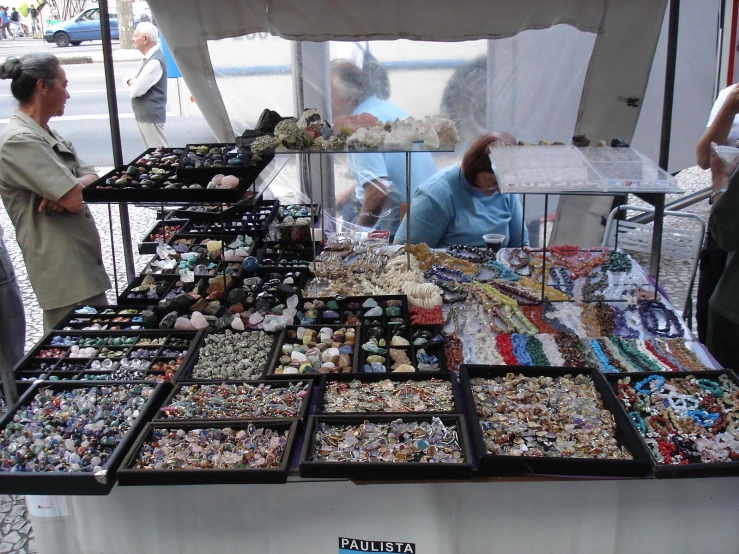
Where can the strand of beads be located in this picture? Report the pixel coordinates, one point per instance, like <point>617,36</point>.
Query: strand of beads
<point>687,358</point>
<point>649,311</point>
<point>658,349</point>
<point>535,315</point>
<point>571,349</point>
<point>641,346</point>
<point>453,352</point>
<point>423,295</point>
<point>423,316</point>
<point>517,289</point>
<point>562,280</point>
<point>594,286</point>
<point>448,274</point>
<point>501,272</point>
<point>551,350</point>
<point>470,254</point>
<point>631,351</point>
<point>505,349</point>
<point>621,327</point>
<point>662,359</point>
<point>618,261</point>
<point>605,365</point>
<point>518,320</point>
<point>614,359</point>
<point>519,344</point>
<point>609,345</point>
<point>550,293</point>
<point>536,351</point>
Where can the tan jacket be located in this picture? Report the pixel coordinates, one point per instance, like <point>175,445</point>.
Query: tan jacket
<point>62,251</point>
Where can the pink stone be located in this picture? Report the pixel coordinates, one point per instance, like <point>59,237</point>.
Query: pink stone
<point>198,321</point>
<point>183,324</point>
<point>229,182</point>
<point>237,324</point>
<point>216,180</point>
<point>255,318</point>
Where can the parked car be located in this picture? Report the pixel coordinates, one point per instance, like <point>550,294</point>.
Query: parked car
<point>86,26</point>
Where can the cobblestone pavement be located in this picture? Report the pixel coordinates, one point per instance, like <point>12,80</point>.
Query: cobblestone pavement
<point>15,531</point>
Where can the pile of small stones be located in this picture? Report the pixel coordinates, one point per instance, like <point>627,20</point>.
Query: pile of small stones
<point>233,355</point>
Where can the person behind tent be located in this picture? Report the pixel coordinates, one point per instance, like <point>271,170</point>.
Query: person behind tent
<point>379,179</point>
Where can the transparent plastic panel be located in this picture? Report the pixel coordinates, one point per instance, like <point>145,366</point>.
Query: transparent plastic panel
<point>529,85</point>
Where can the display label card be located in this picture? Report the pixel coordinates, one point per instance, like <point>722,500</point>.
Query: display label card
<point>359,546</point>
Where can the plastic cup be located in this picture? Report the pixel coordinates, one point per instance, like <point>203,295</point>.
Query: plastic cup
<point>493,241</point>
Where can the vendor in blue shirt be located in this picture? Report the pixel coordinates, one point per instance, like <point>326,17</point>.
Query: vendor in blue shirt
<point>462,203</point>
<point>380,183</point>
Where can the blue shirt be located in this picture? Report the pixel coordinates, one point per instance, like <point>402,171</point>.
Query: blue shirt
<point>446,211</point>
<point>369,167</point>
<point>4,15</point>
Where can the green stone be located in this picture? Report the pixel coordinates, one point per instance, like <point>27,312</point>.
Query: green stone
<point>332,305</point>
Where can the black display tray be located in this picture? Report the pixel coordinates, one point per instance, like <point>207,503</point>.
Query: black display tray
<point>399,377</point>
<point>196,241</point>
<point>387,335</point>
<point>276,254</point>
<point>275,384</point>
<point>81,483</point>
<point>316,211</point>
<point>199,174</point>
<point>167,283</point>
<point>94,193</point>
<point>184,375</point>
<point>489,464</point>
<point>128,476</point>
<point>384,471</point>
<point>667,471</point>
<point>147,246</point>
<point>23,368</point>
<point>300,276</point>
<point>269,373</point>
<point>103,319</point>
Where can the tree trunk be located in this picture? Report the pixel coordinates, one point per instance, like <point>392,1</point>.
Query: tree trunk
<point>125,23</point>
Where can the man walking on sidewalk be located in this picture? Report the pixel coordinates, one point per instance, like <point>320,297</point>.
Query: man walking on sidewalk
<point>33,12</point>
<point>148,87</point>
<point>15,23</point>
<point>5,23</point>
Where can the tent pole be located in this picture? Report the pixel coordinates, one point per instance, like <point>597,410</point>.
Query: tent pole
<point>664,146</point>
<point>115,133</point>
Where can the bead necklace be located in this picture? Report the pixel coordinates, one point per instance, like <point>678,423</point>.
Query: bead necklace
<point>515,318</point>
<point>562,280</point>
<point>642,348</point>
<point>516,289</point>
<point>447,274</point>
<point>453,353</point>
<point>534,315</point>
<point>666,359</point>
<point>585,261</point>
<point>648,312</point>
<point>632,353</point>
<point>518,259</point>
<point>615,361</point>
<point>549,311</point>
<point>618,261</point>
<point>505,349</point>
<point>571,349</point>
<point>520,351</point>
<point>551,350</point>
<point>550,293</point>
<point>536,350</point>
<point>500,271</point>
<point>617,358</point>
<point>470,254</point>
<point>679,349</point>
<point>621,327</point>
<point>594,287</point>
<point>605,365</point>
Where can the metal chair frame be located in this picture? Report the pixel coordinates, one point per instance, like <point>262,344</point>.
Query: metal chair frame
<point>676,243</point>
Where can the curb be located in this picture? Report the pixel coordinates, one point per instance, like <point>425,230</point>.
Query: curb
<point>75,60</point>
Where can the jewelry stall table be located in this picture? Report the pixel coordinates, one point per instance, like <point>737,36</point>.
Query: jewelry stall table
<point>497,515</point>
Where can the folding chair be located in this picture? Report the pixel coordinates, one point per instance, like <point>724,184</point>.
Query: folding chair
<point>677,243</point>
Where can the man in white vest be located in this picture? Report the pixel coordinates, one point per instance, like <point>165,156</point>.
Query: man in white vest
<point>148,87</point>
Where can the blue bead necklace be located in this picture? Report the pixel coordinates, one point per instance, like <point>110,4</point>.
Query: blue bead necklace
<point>605,363</point>
<point>519,349</point>
<point>643,385</point>
<point>441,272</point>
